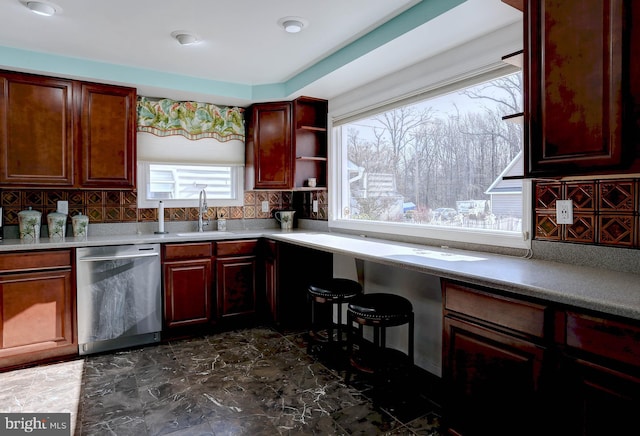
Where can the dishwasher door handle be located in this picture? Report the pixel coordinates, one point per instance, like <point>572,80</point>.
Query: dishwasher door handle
<point>117,257</point>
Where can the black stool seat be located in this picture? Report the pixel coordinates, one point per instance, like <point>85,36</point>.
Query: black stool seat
<point>334,292</point>
<point>388,308</point>
<point>335,288</point>
<point>378,310</point>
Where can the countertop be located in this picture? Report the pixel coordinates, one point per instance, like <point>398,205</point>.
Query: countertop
<point>607,291</point>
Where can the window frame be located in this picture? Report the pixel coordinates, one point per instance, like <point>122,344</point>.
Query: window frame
<point>339,190</point>
<point>143,167</point>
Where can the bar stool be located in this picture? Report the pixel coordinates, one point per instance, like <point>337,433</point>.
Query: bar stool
<point>328,294</point>
<point>379,310</point>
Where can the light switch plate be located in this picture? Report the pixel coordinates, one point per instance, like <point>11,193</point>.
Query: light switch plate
<point>265,206</point>
<point>315,206</point>
<point>63,207</point>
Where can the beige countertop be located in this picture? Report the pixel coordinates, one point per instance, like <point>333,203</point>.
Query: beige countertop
<point>607,291</point>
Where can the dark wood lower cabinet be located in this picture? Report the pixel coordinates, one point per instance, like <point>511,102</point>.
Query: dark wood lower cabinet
<point>599,374</point>
<point>289,269</point>
<point>37,307</point>
<point>187,285</point>
<point>493,383</point>
<point>236,279</point>
<point>493,363</point>
<point>512,366</point>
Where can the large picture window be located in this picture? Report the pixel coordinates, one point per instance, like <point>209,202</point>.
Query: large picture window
<point>443,167</point>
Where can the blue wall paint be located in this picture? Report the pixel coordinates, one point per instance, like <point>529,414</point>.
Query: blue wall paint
<point>419,14</point>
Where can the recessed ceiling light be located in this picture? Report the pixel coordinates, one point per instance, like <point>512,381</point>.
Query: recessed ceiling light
<point>185,37</point>
<point>292,24</point>
<point>42,7</point>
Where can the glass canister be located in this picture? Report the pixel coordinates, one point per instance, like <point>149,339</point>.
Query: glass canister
<point>29,222</point>
<point>80,225</point>
<point>57,225</point>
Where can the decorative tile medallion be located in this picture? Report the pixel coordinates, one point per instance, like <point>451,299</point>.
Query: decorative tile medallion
<point>582,229</point>
<point>10,215</point>
<point>32,198</point>
<point>147,214</point>
<point>113,198</point>
<point>617,195</point>
<point>582,195</point>
<point>112,214</point>
<point>249,212</point>
<point>51,198</point>
<point>77,198</point>
<point>94,198</point>
<point>547,194</point>
<point>235,213</point>
<point>249,198</point>
<point>96,214</point>
<point>261,196</point>
<point>275,198</point>
<point>130,214</point>
<point>546,227</point>
<point>129,198</point>
<point>617,230</point>
<point>11,199</point>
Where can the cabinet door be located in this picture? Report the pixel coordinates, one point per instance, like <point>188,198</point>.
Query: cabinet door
<point>576,90</point>
<point>36,131</point>
<point>269,146</point>
<point>36,317</point>
<point>187,292</point>
<point>599,377</point>
<point>492,381</point>
<point>107,136</point>
<point>236,285</point>
<point>597,400</point>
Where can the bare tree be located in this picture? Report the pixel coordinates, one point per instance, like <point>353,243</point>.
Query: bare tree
<point>438,160</point>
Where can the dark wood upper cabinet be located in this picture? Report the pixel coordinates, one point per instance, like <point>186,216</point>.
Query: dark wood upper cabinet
<point>36,131</point>
<point>287,144</point>
<point>269,147</point>
<point>107,136</point>
<point>57,133</point>
<point>578,100</point>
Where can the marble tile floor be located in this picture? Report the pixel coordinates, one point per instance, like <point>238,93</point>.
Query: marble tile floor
<point>254,381</point>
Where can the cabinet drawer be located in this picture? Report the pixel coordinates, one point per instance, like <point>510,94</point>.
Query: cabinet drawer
<point>518,315</point>
<point>187,251</point>
<point>604,337</point>
<point>236,248</point>
<point>35,260</point>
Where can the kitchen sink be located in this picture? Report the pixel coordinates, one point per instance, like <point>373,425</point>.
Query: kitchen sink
<point>204,234</point>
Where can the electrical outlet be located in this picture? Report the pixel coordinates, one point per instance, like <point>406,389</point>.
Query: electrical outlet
<point>564,211</point>
<point>63,207</point>
<point>265,206</point>
<point>315,206</point>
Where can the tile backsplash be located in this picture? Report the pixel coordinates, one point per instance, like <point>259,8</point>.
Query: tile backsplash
<point>121,206</point>
<point>605,212</point>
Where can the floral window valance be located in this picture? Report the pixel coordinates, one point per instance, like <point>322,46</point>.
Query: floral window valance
<point>193,120</point>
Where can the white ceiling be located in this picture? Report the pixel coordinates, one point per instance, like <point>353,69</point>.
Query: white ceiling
<point>241,42</point>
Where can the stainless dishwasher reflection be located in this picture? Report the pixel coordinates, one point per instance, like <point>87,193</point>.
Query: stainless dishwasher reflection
<point>119,296</point>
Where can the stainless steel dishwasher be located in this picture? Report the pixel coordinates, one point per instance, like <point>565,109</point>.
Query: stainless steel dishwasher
<point>119,296</point>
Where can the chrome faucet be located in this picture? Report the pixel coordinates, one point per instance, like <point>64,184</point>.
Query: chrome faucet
<point>202,209</point>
